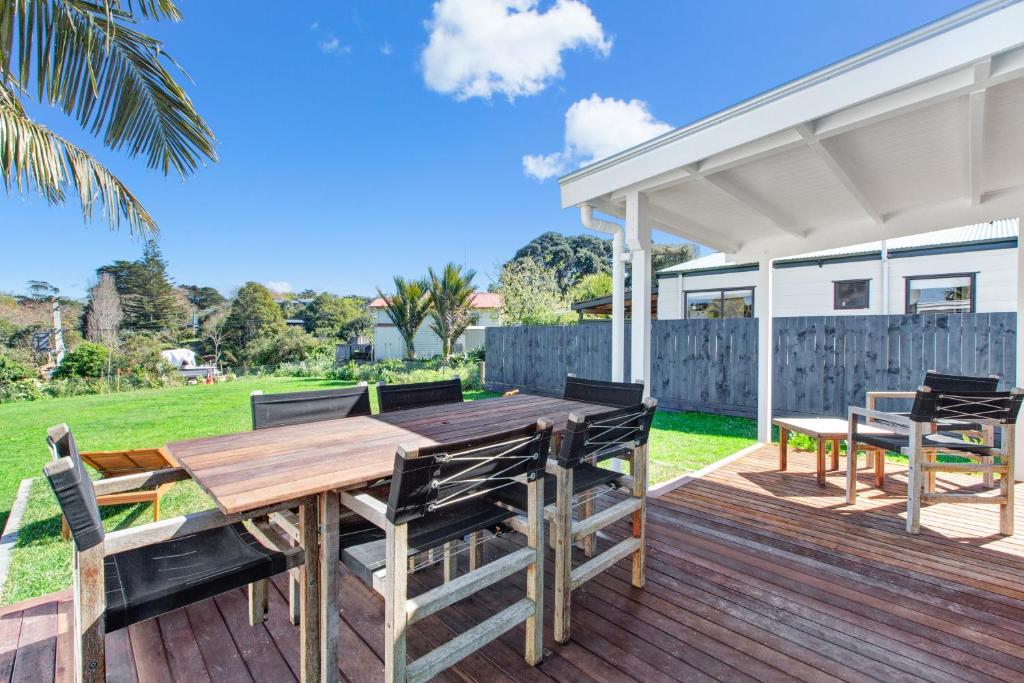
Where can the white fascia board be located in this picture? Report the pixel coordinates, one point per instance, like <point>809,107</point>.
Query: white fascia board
<point>959,211</point>
<point>813,97</point>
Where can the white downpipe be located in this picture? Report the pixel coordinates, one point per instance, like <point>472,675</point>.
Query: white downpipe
<point>618,286</point>
<point>885,277</point>
<point>763,304</point>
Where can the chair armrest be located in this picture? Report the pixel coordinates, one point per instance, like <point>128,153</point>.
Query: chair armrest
<point>891,418</point>
<point>366,506</point>
<point>891,394</point>
<point>176,527</point>
<point>133,482</point>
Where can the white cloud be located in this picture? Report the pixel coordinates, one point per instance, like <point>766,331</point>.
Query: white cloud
<point>315,25</point>
<point>481,47</point>
<point>386,49</point>
<point>595,128</point>
<point>333,46</point>
<point>279,286</point>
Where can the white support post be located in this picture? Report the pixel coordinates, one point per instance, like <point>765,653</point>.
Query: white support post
<point>618,307</point>
<point>765,362</point>
<point>638,237</point>
<point>1019,471</point>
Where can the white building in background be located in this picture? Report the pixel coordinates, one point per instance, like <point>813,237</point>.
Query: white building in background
<point>388,343</point>
<point>969,269</point>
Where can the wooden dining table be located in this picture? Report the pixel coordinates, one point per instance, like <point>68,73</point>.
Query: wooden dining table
<point>309,464</point>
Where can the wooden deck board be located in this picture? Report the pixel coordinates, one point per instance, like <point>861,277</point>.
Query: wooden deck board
<point>753,574</point>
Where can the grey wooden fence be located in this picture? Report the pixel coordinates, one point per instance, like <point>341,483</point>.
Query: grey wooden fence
<point>822,364</point>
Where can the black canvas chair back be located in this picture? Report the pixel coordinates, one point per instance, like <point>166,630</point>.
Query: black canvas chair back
<point>299,407</point>
<point>937,381</point>
<point>989,407</point>
<point>74,490</point>
<point>452,478</point>
<point>622,394</point>
<point>607,434</point>
<point>403,396</point>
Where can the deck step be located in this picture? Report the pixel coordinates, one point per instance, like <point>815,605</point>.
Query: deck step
<point>993,498</point>
<point>965,467</point>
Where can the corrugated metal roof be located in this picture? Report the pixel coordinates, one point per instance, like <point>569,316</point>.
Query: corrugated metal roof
<point>1007,228</point>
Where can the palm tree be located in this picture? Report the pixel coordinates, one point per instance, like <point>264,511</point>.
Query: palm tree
<point>407,308</point>
<point>451,304</point>
<point>86,58</point>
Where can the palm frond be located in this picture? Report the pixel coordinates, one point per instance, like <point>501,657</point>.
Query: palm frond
<point>34,158</point>
<point>87,60</point>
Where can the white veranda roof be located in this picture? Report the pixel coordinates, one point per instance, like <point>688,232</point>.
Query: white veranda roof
<point>923,131</point>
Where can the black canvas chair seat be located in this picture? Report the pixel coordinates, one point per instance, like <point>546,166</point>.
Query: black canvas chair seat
<point>942,441</point>
<point>418,395</point>
<point>367,555</point>
<point>619,394</point>
<point>584,478</point>
<point>146,582</point>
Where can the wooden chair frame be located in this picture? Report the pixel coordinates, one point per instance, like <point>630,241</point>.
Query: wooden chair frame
<point>923,464</point>
<point>89,587</point>
<point>140,460</point>
<point>402,611</point>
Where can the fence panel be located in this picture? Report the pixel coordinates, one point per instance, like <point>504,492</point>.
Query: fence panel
<point>823,364</point>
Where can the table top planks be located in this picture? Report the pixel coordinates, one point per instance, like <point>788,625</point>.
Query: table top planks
<point>250,470</point>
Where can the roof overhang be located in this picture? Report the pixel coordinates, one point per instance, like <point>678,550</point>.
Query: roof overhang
<point>920,133</point>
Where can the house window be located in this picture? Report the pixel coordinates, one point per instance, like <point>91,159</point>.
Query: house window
<point>941,293</point>
<point>720,303</point>
<point>851,294</point>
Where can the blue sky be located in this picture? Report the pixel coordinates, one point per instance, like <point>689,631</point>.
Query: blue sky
<point>347,157</point>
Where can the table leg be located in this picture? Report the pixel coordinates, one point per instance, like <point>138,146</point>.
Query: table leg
<point>783,446</point>
<point>879,468</point>
<point>821,461</point>
<point>835,455</point>
<point>309,592</point>
<point>328,571</point>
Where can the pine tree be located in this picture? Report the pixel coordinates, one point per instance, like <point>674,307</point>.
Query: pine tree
<point>149,299</point>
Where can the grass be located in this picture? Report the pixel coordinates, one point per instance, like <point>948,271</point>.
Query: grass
<point>680,442</point>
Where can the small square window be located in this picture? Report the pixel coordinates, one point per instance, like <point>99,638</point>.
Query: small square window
<point>852,294</point>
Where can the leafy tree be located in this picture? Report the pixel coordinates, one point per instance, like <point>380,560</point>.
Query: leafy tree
<point>253,314</point>
<point>103,314</point>
<point>408,308</point>
<point>284,346</point>
<point>148,297</point>
<point>665,255</point>
<point>531,295</point>
<point>203,298</point>
<point>593,286</point>
<point>89,60</point>
<point>40,290</point>
<point>337,317</point>
<point>88,360</point>
<point>570,257</point>
<point>451,304</point>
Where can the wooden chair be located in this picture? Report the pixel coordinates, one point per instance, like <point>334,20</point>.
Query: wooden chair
<point>620,434</point>
<point>302,407</point>
<point>921,444</point>
<point>135,574</point>
<point>937,381</point>
<point>438,495</point>
<point>111,464</point>
<point>418,395</point>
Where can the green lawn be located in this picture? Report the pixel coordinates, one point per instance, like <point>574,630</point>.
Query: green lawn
<point>680,442</point>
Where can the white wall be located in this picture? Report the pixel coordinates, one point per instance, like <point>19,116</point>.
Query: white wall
<point>808,289</point>
<point>388,342</point>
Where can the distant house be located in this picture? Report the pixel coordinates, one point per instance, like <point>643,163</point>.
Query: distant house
<point>970,269</point>
<point>388,343</point>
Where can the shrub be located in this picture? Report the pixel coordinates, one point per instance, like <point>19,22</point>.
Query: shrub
<point>20,390</point>
<point>13,370</point>
<point>287,345</point>
<point>88,360</point>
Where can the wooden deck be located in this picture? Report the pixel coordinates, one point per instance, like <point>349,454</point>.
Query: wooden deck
<point>752,574</point>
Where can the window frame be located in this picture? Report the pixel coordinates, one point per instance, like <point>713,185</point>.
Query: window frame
<point>721,298</point>
<point>974,290</point>
<point>835,294</point>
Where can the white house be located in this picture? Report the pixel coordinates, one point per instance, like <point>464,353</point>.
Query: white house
<point>388,343</point>
<point>971,269</point>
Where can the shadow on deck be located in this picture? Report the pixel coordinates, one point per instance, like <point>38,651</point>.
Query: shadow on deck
<point>753,574</point>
